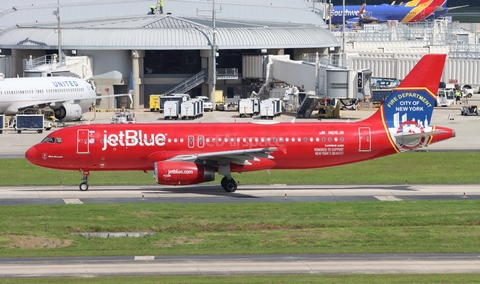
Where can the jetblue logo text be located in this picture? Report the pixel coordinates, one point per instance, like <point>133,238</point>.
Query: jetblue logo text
<point>130,138</point>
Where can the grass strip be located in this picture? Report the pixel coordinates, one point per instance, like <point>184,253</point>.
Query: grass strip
<point>414,167</point>
<point>247,228</point>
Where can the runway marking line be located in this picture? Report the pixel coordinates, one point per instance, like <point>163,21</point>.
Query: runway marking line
<point>144,257</point>
<point>72,201</point>
<point>387,198</point>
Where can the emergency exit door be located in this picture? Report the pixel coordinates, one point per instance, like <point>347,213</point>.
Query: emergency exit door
<point>365,139</point>
<point>83,147</point>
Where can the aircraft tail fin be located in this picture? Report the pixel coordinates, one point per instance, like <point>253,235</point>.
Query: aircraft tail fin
<point>407,113</point>
<point>360,12</point>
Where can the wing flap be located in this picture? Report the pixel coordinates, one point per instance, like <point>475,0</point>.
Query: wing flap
<point>240,157</point>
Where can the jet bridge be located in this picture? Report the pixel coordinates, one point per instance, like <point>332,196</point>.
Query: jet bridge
<point>323,78</point>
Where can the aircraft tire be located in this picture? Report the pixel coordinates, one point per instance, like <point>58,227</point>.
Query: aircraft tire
<point>83,186</point>
<point>229,185</point>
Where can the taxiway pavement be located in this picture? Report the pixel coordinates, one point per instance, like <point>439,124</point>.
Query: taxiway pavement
<point>241,264</point>
<point>245,193</point>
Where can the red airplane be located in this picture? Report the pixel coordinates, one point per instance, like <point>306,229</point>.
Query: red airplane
<point>191,153</point>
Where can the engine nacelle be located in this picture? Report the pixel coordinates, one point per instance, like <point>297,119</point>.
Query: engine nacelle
<point>68,112</point>
<point>182,173</point>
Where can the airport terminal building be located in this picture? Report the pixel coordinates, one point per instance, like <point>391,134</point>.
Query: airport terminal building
<point>151,53</point>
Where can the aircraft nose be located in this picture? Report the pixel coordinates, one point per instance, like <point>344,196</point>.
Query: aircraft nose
<point>31,155</point>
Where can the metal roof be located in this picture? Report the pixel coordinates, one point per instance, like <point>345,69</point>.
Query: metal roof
<point>166,32</point>
<point>40,11</point>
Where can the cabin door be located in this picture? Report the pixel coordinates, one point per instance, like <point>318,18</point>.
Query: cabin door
<point>365,139</point>
<point>83,147</point>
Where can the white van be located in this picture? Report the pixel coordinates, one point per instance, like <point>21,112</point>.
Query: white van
<point>207,103</point>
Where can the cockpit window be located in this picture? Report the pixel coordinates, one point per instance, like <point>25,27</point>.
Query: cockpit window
<point>48,140</point>
<point>59,140</point>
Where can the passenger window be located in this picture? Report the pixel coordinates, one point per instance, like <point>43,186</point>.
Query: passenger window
<point>59,140</point>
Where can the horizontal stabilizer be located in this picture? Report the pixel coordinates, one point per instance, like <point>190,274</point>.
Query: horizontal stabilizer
<point>415,136</point>
<point>456,7</point>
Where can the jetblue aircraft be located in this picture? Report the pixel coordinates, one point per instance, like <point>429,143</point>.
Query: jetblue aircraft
<point>409,12</point>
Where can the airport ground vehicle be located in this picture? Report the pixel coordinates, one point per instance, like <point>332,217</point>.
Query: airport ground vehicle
<point>467,91</point>
<point>207,103</point>
<point>445,97</point>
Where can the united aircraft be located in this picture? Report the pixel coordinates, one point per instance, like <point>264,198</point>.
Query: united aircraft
<point>191,153</point>
<point>409,12</point>
<point>68,97</point>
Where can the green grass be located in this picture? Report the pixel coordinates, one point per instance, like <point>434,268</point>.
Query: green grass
<point>418,168</point>
<point>263,279</point>
<point>247,228</point>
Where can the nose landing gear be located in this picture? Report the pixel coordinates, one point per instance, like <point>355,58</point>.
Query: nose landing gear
<point>84,185</point>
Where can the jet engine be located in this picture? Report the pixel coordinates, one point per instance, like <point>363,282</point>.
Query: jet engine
<point>68,112</point>
<point>182,173</point>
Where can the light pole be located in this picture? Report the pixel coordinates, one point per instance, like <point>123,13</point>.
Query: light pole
<point>60,55</point>
<point>343,31</point>
<point>57,13</point>
<point>214,47</point>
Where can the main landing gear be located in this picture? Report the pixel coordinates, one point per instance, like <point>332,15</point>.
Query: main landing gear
<point>84,185</point>
<point>228,183</point>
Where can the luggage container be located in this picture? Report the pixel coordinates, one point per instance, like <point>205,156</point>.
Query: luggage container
<point>171,110</point>
<point>2,120</point>
<point>270,108</point>
<point>200,104</point>
<point>248,107</point>
<point>29,122</point>
<point>190,109</point>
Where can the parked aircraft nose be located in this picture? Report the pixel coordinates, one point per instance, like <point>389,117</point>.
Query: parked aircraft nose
<point>31,155</point>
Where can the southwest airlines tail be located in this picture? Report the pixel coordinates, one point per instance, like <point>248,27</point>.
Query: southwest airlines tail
<point>407,113</point>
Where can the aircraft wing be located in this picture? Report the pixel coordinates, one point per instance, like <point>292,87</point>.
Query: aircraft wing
<point>31,104</point>
<point>240,157</point>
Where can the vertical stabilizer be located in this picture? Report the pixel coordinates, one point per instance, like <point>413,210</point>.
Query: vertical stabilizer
<point>407,112</point>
